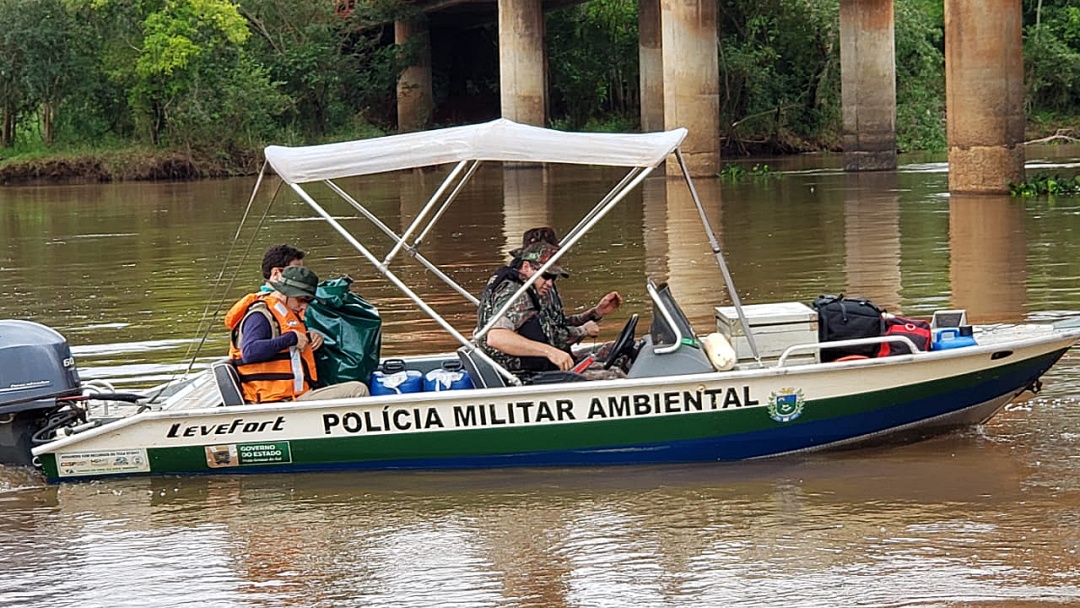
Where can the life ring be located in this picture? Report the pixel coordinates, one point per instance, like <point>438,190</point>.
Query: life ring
<point>852,358</point>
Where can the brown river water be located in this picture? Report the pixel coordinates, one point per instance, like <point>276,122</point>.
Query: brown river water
<point>129,274</point>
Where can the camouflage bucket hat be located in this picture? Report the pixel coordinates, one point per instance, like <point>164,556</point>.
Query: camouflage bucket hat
<point>297,282</point>
<point>543,234</point>
<point>540,253</point>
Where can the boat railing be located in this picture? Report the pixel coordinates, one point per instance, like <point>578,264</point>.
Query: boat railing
<point>818,346</point>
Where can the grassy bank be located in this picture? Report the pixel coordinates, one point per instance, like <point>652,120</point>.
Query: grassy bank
<point>88,166</point>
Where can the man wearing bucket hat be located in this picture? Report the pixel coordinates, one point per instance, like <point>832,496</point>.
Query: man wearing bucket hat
<point>568,330</point>
<point>522,339</point>
<point>272,348</point>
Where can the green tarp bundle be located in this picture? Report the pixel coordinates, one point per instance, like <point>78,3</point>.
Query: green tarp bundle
<point>352,329</point>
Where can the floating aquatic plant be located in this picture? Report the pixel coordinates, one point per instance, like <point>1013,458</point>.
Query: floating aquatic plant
<point>1042,184</point>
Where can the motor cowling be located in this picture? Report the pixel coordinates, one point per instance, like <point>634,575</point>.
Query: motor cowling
<point>35,363</point>
<point>36,367</point>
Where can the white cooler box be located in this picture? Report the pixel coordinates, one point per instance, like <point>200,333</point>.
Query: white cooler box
<point>776,327</point>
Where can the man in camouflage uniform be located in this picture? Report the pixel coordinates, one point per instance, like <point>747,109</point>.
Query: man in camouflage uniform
<point>522,340</point>
<point>568,330</point>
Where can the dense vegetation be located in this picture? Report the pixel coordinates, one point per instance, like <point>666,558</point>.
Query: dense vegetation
<point>204,83</point>
<point>1043,184</point>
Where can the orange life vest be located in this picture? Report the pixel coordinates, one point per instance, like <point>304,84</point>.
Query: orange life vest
<point>290,373</point>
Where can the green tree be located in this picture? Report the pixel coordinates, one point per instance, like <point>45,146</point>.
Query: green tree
<point>53,57</point>
<point>299,44</point>
<point>332,64</point>
<point>1052,58</point>
<point>920,75</point>
<point>188,78</point>
<point>593,61</point>
<point>191,56</point>
<point>779,72</point>
<point>219,76</point>
<point>13,94</point>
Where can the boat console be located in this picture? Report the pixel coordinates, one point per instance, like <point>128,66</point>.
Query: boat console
<point>671,348</point>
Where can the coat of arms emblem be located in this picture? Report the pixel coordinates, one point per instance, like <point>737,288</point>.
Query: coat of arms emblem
<point>786,404</point>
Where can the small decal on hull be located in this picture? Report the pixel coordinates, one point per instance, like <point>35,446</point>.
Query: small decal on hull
<point>248,454</point>
<point>786,404</point>
<point>104,462</point>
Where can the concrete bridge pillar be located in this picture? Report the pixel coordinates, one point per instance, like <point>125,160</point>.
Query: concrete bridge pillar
<point>868,84</point>
<point>650,66</point>
<point>522,62</point>
<point>415,100</point>
<point>692,80</point>
<point>984,94</point>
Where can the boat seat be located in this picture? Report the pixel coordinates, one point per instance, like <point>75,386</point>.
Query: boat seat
<point>480,371</point>
<point>228,383</point>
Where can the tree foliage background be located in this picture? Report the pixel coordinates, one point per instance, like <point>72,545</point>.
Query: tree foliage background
<point>217,77</point>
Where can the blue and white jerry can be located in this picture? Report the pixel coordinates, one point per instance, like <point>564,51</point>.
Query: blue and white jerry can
<point>448,378</point>
<point>393,379</point>
<point>952,337</point>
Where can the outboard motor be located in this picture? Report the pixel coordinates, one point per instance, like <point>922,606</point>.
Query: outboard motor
<point>36,369</point>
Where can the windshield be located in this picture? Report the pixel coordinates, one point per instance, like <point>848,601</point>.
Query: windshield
<point>662,333</point>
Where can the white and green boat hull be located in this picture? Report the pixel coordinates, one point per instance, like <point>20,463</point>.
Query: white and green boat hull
<point>705,417</point>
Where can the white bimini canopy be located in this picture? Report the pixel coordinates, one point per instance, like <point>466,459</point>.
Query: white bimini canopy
<point>467,147</point>
<point>498,140</point>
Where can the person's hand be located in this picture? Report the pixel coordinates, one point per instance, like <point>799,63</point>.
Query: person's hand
<point>592,329</point>
<point>560,359</point>
<point>301,339</point>
<point>316,339</point>
<point>608,304</point>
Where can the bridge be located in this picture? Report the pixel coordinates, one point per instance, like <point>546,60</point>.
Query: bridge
<point>680,85</point>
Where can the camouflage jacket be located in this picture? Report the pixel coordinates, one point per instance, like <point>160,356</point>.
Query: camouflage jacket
<point>500,287</point>
<point>567,331</point>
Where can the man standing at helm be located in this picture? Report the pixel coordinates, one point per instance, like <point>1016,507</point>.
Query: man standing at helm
<point>272,348</point>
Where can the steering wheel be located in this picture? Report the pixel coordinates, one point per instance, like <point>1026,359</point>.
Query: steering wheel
<point>624,344</point>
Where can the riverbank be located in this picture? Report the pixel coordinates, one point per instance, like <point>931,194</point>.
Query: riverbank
<point>149,165</point>
<point>146,164</point>
<point>126,165</point>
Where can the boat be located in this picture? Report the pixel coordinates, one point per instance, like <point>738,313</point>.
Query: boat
<point>756,386</point>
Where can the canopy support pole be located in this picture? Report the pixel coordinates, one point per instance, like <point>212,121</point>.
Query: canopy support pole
<point>618,187</point>
<point>453,196</point>
<point>715,244</point>
<point>398,283</point>
<point>411,251</point>
<point>423,212</point>
<point>602,208</point>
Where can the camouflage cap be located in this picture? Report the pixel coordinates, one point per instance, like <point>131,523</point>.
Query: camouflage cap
<point>539,253</point>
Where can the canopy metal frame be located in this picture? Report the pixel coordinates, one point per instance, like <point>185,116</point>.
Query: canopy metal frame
<point>412,237</point>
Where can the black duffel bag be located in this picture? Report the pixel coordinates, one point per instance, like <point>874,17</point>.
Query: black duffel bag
<point>841,318</point>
